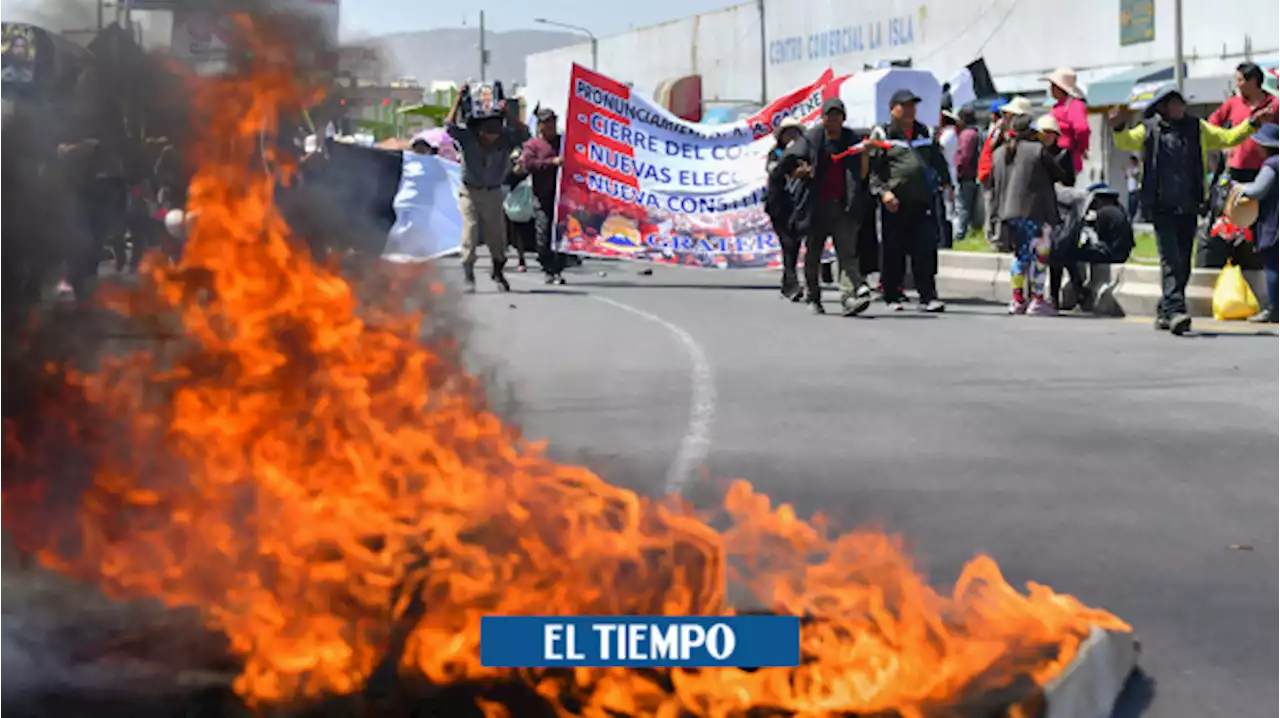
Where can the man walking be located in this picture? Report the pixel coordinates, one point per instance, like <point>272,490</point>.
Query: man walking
<point>1173,146</point>
<point>823,159</point>
<point>907,177</point>
<point>542,161</point>
<point>486,143</point>
<point>968,211</point>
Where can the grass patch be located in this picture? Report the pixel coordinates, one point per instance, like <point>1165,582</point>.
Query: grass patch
<point>1144,246</point>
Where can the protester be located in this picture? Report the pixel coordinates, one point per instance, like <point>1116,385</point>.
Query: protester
<point>1003,113</point>
<point>1072,115</point>
<point>1174,146</point>
<point>1243,162</point>
<point>520,234</point>
<point>1049,132</point>
<point>833,176</point>
<point>1132,175</point>
<point>486,145</point>
<point>968,211</point>
<point>1023,174</point>
<point>781,200</point>
<point>1263,190</point>
<point>948,143</point>
<point>542,159</point>
<point>907,177</point>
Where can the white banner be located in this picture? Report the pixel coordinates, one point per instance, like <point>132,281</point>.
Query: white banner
<point>428,221</point>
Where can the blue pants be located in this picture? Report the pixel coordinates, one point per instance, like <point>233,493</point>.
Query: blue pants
<point>1271,267</point>
<point>1030,254</point>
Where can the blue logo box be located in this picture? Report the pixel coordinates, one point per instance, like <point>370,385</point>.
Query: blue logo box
<point>639,641</point>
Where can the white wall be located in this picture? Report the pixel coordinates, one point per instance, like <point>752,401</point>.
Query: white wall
<point>723,47</point>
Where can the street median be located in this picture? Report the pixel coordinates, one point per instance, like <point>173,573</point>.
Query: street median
<point>1120,289</point>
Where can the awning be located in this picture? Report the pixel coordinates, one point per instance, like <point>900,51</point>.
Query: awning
<point>1116,89</point>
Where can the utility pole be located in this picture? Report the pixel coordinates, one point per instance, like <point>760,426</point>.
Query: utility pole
<point>1179,73</point>
<point>484,54</point>
<point>764,56</point>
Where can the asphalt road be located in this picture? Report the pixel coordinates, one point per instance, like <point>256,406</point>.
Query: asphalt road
<point>1122,465</point>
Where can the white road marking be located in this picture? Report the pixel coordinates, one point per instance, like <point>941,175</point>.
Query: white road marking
<point>695,445</point>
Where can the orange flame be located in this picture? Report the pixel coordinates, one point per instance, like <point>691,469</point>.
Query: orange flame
<point>316,468</point>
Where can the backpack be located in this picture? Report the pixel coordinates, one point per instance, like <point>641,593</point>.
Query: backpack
<point>518,204</point>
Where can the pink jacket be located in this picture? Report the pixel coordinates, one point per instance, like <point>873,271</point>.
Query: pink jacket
<point>1073,118</point>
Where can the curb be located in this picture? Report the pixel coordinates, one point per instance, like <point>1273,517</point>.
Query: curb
<point>1120,289</point>
<point>1093,680</point>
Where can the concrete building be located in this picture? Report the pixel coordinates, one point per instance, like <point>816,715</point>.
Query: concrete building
<point>1113,45</point>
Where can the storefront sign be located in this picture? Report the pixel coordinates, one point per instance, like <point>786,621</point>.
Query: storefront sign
<point>1137,21</point>
<point>894,32</point>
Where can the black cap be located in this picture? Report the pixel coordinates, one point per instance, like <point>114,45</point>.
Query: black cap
<point>902,97</point>
<point>833,104</point>
<point>545,114</point>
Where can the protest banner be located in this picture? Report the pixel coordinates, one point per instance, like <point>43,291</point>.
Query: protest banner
<point>428,220</point>
<point>641,184</point>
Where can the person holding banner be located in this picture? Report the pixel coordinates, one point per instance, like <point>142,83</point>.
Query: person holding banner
<point>907,175</point>
<point>828,161</point>
<point>780,204</point>
<point>542,161</point>
<point>486,143</point>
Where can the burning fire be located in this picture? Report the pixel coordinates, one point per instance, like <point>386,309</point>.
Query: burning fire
<point>340,478</point>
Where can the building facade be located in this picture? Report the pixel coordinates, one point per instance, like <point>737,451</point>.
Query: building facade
<point>759,50</point>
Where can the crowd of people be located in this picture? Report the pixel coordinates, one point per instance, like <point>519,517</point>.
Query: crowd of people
<point>1015,182</point>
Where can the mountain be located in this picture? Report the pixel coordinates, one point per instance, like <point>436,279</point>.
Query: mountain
<point>454,53</point>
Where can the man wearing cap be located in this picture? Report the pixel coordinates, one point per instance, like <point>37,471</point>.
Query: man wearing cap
<point>1072,116</point>
<point>907,177</point>
<point>486,145</point>
<point>780,203</point>
<point>1174,146</point>
<point>542,160</point>
<point>834,179</point>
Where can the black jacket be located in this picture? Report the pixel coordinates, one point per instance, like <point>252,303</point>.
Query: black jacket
<point>808,148</point>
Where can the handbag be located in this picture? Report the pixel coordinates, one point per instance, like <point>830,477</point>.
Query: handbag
<point>518,204</point>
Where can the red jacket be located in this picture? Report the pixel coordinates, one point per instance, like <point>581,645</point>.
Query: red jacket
<point>988,150</point>
<point>1248,155</point>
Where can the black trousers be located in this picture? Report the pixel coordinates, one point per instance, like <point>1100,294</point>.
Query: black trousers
<point>790,260</point>
<point>552,261</point>
<point>911,232</point>
<point>1175,238</point>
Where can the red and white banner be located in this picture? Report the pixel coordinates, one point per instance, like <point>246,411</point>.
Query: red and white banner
<point>639,183</point>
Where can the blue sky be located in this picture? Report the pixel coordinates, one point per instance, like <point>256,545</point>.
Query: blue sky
<point>379,17</point>
<point>602,17</point>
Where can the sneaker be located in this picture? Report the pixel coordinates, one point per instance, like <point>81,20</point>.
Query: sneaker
<point>1162,324</point>
<point>858,303</point>
<point>1266,316</point>
<point>521,268</point>
<point>560,280</point>
<point>64,293</point>
<point>469,286</point>
<point>1016,307</point>
<point>1179,324</point>
<point>933,306</point>
<point>896,306</point>
<point>549,279</point>
<point>501,281</point>
<point>1039,307</point>
<point>816,308</point>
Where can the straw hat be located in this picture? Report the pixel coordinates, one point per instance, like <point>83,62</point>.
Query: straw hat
<point>1065,78</point>
<point>1048,123</point>
<point>1017,106</point>
<point>1240,210</point>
